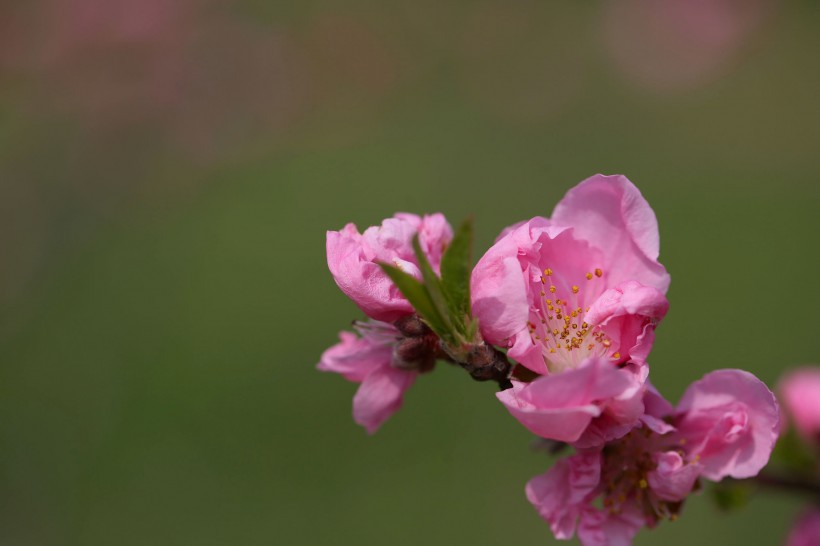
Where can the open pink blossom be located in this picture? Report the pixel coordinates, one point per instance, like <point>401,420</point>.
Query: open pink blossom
<point>353,259</point>
<point>585,283</point>
<point>646,475</point>
<point>731,420</point>
<point>567,293</point>
<point>369,359</point>
<point>806,531</point>
<point>586,406</point>
<point>800,395</point>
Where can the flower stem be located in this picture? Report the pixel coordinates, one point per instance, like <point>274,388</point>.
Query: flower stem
<point>483,362</point>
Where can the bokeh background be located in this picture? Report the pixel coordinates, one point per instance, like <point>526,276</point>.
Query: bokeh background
<point>168,172</point>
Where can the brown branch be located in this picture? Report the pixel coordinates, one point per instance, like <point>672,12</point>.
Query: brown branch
<point>789,482</point>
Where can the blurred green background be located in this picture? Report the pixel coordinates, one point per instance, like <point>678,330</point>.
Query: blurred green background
<point>169,170</point>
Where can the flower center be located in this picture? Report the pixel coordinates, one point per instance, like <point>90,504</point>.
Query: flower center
<point>557,321</point>
<point>625,474</point>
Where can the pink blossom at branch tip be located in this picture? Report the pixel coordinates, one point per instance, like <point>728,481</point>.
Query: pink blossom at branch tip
<point>806,530</point>
<point>799,392</point>
<point>368,359</point>
<point>731,421</point>
<point>353,260</point>
<point>586,406</point>
<point>726,426</point>
<point>586,282</point>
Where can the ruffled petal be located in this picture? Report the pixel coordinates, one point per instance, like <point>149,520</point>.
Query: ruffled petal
<point>353,260</point>
<point>562,406</point>
<point>628,313</point>
<point>673,478</point>
<point>731,421</point>
<point>611,213</point>
<point>602,528</point>
<point>561,493</point>
<point>499,296</point>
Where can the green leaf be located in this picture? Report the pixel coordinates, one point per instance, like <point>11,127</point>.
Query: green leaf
<point>419,297</point>
<point>436,292</point>
<point>455,272</point>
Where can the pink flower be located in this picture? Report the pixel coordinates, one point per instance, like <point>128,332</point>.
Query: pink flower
<point>570,293</point>
<point>369,360</point>
<point>726,426</point>
<point>806,531</point>
<point>585,406</point>
<point>585,283</point>
<point>800,394</point>
<point>731,421</point>
<point>353,260</point>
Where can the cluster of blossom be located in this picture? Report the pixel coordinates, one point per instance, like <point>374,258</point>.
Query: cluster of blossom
<point>574,300</point>
<point>799,392</point>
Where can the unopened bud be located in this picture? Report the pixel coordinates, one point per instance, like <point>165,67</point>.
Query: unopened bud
<point>412,326</point>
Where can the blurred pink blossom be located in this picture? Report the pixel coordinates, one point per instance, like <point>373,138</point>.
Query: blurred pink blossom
<point>198,78</point>
<point>674,45</point>
<point>806,530</point>
<point>799,392</point>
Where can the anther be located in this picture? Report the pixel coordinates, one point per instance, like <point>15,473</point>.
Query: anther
<point>575,289</point>
<point>598,272</point>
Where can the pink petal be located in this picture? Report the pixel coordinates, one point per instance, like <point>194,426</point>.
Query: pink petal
<point>673,478</point>
<point>561,493</point>
<point>628,314</point>
<point>611,213</point>
<point>730,419</point>
<point>602,528</point>
<point>380,396</point>
<point>499,296</point>
<point>561,407</point>
<point>435,234</point>
<point>527,353</point>
<point>355,357</point>
<point>353,260</point>
<point>620,414</point>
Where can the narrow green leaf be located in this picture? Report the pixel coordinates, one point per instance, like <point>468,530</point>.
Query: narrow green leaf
<point>436,292</point>
<point>455,271</point>
<point>418,296</point>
